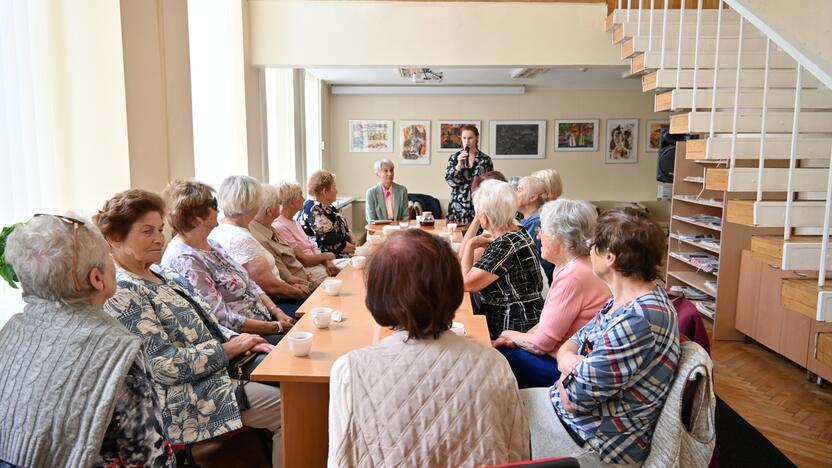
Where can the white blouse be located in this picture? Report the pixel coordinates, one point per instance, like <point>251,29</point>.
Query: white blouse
<point>241,245</point>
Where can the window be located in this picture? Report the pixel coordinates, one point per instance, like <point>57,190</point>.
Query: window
<point>280,125</point>
<point>312,117</point>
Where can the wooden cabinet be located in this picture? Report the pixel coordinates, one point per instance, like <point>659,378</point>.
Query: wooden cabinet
<point>761,315</point>
<point>817,362</point>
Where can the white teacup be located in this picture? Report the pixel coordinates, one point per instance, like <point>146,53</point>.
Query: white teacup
<point>362,251</point>
<point>445,236</point>
<point>404,224</point>
<point>374,238</point>
<point>332,286</point>
<point>458,328</point>
<point>321,316</point>
<point>358,261</point>
<point>387,230</point>
<point>451,227</point>
<point>300,343</point>
<point>457,246</point>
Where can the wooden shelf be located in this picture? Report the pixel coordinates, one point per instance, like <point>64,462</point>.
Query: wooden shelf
<point>705,202</point>
<point>696,223</point>
<point>695,244</point>
<point>682,259</point>
<point>694,278</point>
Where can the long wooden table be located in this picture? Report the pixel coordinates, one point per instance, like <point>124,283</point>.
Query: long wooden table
<point>304,381</point>
<point>440,225</point>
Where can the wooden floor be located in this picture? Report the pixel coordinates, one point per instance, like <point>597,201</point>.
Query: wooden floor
<point>773,395</point>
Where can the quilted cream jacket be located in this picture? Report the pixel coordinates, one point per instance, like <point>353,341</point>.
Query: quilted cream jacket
<point>427,403</point>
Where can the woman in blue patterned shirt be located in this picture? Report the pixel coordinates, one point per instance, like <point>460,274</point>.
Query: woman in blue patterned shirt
<point>617,370</point>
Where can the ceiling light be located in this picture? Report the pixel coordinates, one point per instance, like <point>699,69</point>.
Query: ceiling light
<point>525,73</point>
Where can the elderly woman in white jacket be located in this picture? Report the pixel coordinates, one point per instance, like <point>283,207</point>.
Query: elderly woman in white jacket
<point>423,396</point>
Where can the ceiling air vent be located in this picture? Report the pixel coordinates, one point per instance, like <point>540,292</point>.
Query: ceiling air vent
<point>526,73</point>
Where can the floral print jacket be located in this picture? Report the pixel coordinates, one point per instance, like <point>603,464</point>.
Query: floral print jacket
<point>326,225</point>
<point>183,344</point>
<point>460,206</point>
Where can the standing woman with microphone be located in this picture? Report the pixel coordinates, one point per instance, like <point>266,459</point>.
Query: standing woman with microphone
<point>463,166</point>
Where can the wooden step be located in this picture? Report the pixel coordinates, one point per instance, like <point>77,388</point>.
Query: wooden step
<point>804,296</point>
<point>748,147</point>
<point>681,99</point>
<point>773,213</point>
<point>707,61</point>
<point>639,45</point>
<point>666,79</point>
<point>744,179</point>
<point>626,30</point>
<point>620,15</point>
<point>797,253</point>
<point>750,122</point>
<point>825,348</point>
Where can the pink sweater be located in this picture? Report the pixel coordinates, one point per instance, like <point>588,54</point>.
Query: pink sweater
<point>290,231</point>
<point>575,296</point>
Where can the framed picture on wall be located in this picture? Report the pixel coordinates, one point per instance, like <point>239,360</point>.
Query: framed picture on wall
<point>576,135</point>
<point>371,136</point>
<point>447,131</point>
<point>414,141</point>
<point>622,141</point>
<point>517,139</point>
<point>654,135</point>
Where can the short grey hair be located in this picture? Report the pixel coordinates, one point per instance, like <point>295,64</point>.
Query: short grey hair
<point>288,190</point>
<point>381,163</point>
<point>571,222</point>
<point>268,199</point>
<point>554,185</point>
<point>498,201</point>
<point>41,254</point>
<point>239,194</point>
<point>535,186</point>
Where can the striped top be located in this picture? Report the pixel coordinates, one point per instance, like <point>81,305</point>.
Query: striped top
<point>619,388</point>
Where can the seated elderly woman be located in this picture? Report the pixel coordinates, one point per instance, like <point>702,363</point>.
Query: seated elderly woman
<point>575,295</point>
<point>387,199</point>
<point>239,199</point>
<point>317,264</point>
<point>508,274</point>
<point>422,372</point>
<point>284,262</point>
<point>76,385</point>
<point>617,370</point>
<point>188,350</point>
<point>531,195</point>
<point>235,300</point>
<point>321,220</point>
<point>552,181</point>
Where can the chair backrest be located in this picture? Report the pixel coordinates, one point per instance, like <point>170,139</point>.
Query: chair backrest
<point>690,320</point>
<point>680,441</point>
<point>427,202</point>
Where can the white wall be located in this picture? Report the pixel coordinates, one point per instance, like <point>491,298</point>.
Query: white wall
<point>584,173</point>
<point>305,34</point>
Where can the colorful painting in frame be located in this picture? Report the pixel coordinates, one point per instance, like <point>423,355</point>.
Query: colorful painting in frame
<point>654,135</point>
<point>414,138</point>
<point>576,135</point>
<point>622,141</point>
<point>371,136</point>
<point>448,134</point>
<point>517,139</point>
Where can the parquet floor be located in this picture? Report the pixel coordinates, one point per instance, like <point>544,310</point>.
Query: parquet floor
<point>773,395</point>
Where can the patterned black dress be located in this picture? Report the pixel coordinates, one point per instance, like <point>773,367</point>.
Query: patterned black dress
<point>514,301</point>
<point>460,206</point>
<point>326,225</point>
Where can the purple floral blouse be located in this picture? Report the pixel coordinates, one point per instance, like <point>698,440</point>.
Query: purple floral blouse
<point>222,282</point>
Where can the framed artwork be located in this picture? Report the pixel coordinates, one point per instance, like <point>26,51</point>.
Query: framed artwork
<point>414,138</point>
<point>622,141</point>
<point>448,134</point>
<point>517,139</point>
<point>371,136</point>
<point>654,135</point>
<point>576,135</point>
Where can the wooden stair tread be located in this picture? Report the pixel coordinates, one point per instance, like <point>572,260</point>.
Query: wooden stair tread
<point>825,348</point>
<point>804,213</point>
<point>772,246</point>
<point>801,295</point>
<point>748,147</point>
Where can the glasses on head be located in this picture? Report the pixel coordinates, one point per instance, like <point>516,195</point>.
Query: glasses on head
<point>75,223</point>
<point>589,243</point>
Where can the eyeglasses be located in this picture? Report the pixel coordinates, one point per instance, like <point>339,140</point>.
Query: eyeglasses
<point>589,243</point>
<point>214,204</point>
<point>75,223</point>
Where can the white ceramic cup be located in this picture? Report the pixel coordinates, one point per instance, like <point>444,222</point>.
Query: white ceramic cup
<point>362,251</point>
<point>332,286</point>
<point>404,224</point>
<point>358,261</point>
<point>300,343</point>
<point>451,227</point>
<point>445,236</point>
<point>458,328</point>
<point>321,316</point>
<point>457,246</point>
<point>374,238</point>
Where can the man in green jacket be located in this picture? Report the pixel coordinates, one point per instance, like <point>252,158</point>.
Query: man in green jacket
<point>386,200</point>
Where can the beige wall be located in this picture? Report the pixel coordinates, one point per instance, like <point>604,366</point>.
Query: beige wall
<point>806,24</point>
<point>389,33</point>
<point>584,174</point>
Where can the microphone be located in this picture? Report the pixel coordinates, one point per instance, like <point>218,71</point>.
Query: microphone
<point>465,161</point>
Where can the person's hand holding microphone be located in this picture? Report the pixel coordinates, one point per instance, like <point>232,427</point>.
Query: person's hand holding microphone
<point>462,159</point>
